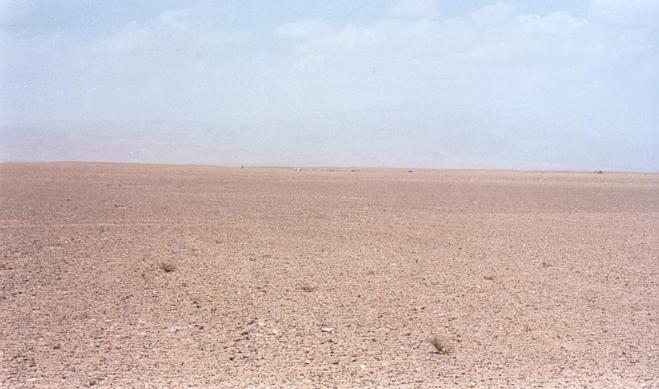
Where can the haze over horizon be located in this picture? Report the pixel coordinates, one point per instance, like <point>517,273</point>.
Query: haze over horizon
<point>567,85</point>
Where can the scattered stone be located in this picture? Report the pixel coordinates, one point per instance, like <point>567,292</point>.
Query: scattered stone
<point>167,267</point>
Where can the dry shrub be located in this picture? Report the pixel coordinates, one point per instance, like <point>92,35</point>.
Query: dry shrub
<point>440,345</point>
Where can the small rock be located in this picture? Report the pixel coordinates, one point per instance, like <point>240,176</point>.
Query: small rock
<point>167,267</point>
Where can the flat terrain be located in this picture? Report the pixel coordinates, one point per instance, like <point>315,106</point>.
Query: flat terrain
<point>322,278</point>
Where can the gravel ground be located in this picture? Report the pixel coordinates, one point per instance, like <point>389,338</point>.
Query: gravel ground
<point>146,275</point>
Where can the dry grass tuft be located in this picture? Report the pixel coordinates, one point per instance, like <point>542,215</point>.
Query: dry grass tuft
<point>308,288</point>
<point>441,346</point>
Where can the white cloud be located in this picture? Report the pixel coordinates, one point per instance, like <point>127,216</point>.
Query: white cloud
<point>627,12</point>
<point>132,37</point>
<point>558,24</point>
<point>176,31</point>
<point>414,9</point>
<point>307,28</point>
<point>494,33</point>
<point>498,12</point>
<point>177,19</point>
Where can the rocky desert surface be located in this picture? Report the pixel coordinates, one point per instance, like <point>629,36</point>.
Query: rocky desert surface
<point>118,275</point>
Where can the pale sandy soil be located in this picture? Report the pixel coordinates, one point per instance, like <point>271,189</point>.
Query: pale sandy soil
<point>326,278</point>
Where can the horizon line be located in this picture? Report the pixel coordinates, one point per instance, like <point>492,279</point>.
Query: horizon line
<point>325,167</point>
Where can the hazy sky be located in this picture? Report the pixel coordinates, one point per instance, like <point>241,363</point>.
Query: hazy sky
<point>422,83</point>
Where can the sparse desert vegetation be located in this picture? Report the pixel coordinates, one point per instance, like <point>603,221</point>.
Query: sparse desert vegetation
<point>308,288</point>
<point>441,345</point>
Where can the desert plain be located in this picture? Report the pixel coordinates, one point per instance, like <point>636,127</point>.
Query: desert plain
<point>120,275</point>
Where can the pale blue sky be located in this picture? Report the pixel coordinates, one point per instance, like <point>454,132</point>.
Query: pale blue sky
<point>420,83</point>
